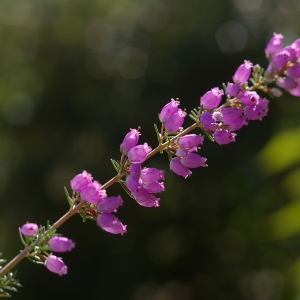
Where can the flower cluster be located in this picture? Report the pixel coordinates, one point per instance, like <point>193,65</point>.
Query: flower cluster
<point>242,104</point>
<point>185,157</point>
<point>101,205</point>
<point>55,244</point>
<point>284,64</point>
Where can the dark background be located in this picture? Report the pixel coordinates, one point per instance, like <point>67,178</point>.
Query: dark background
<point>75,76</point>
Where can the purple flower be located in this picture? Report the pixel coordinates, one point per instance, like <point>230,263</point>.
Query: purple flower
<point>168,110</point>
<point>109,204</point>
<point>281,59</point>
<point>133,182</point>
<point>295,91</point>
<point>274,45</point>
<point>144,198</point>
<point>193,160</point>
<point>208,121</point>
<point>293,71</point>
<point>93,193</point>
<point>152,174</point>
<point>234,90</point>
<point>257,112</point>
<point>154,187</point>
<point>110,223</point>
<point>29,229</point>
<point>223,136</point>
<point>61,244</point>
<point>177,167</point>
<point>173,123</point>
<point>286,83</point>
<point>233,118</point>
<point>190,140</point>
<point>135,169</point>
<point>80,181</point>
<point>56,265</point>
<point>138,154</point>
<point>250,98</point>
<point>131,139</point>
<point>212,98</point>
<point>243,72</point>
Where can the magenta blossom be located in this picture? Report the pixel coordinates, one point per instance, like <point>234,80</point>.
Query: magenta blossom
<point>131,139</point>
<point>111,223</point>
<point>61,244</point>
<point>80,181</point>
<point>212,98</point>
<point>177,167</point>
<point>243,72</point>
<point>168,110</point>
<point>56,265</point>
<point>138,154</point>
<point>29,229</point>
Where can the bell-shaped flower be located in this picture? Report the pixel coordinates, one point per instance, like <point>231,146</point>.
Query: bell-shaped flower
<point>154,187</point>
<point>173,123</point>
<point>281,59</point>
<point>56,265</point>
<point>178,168</point>
<point>109,204</point>
<point>138,154</point>
<point>243,72</point>
<point>208,121</point>
<point>190,141</point>
<point>250,98</point>
<point>131,139</point>
<point>152,174</point>
<point>80,181</point>
<point>293,71</point>
<point>193,160</point>
<point>168,110</point>
<point>93,193</point>
<point>274,45</point>
<point>145,198</point>
<point>29,229</point>
<point>61,244</point>
<point>223,136</point>
<point>234,90</point>
<point>259,111</point>
<point>110,223</point>
<point>212,98</point>
<point>233,118</point>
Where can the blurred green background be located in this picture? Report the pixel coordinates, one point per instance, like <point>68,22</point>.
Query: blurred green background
<point>75,76</point>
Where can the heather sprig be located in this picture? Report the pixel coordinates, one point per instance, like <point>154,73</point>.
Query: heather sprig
<point>220,114</point>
